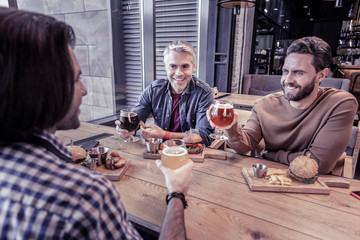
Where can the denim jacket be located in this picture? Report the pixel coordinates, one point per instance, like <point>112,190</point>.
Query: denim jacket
<point>195,100</point>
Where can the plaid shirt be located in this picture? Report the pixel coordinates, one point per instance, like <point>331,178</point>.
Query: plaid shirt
<point>42,197</point>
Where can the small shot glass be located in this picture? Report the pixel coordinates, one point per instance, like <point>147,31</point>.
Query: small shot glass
<point>153,145</point>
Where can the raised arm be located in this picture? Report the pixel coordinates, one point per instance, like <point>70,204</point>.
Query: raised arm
<point>177,182</point>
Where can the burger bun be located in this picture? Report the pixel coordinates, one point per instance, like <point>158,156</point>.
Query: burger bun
<point>192,138</point>
<point>77,153</point>
<point>193,143</point>
<point>304,169</point>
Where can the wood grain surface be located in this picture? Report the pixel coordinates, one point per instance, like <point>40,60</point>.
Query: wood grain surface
<point>262,184</point>
<point>241,100</point>
<point>221,204</point>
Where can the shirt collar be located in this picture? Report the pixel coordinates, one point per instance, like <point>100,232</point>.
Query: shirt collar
<point>55,141</point>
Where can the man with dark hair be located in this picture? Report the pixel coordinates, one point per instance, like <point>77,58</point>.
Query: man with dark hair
<point>305,118</point>
<point>179,102</point>
<point>43,196</point>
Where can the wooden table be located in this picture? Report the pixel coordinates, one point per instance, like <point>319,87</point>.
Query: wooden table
<point>221,205</point>
<point>241,101</point>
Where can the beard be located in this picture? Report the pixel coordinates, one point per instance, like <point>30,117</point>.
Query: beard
<point>70,121</point>
<point>177,87</point>
<point>302,93</point>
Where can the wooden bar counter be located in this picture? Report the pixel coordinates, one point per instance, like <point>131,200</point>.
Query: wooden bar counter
<point>221,205</point>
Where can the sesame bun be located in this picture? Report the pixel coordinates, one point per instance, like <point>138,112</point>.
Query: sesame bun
<point>193,143</point>
<point>192,138</point>
<point>304,169</point>
<point>77,153</point>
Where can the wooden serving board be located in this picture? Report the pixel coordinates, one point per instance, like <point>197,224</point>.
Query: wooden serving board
<point>261,184</point>
<point>151,155</point>
<point>113,175</point>
<point>208,153</point>
<point>215,154</point>
<point>197,157</point>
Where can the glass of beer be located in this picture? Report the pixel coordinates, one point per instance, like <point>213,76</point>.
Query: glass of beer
<point>174,153</point>
<point>222,115</point>
<point>129,121</point>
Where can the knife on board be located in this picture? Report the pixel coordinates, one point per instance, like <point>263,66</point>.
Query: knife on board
<point>90,144</point>
<point>222,96</point>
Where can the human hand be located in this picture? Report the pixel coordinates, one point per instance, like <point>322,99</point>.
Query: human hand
<point>152,131</point>
<point>208,115</point>
<point>123,132</point>
<point>213,124</point>
<point>177,180</point>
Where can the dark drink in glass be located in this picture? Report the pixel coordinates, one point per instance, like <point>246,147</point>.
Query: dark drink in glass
<point>129,121</point>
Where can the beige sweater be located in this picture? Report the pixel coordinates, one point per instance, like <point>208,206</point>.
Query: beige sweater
<point>323,129</point>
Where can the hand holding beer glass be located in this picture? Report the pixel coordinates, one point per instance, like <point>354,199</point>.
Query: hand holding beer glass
<point>222,115</point>
<point>129,120</point>
<point>174,153</point>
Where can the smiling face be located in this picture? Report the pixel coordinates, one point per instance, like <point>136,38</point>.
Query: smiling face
<point>179,69</point>
<point>299,80</point>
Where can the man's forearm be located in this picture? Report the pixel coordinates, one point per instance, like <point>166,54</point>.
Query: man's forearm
<point>236,140</point>
<point>177,135</point>
<point>174,223</point>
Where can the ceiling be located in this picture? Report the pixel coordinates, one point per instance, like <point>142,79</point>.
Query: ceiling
<point>321,10</point>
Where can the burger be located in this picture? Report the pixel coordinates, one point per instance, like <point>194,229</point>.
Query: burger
<point>78,154</point>
<point>304,169</point>
<point>193,143</point>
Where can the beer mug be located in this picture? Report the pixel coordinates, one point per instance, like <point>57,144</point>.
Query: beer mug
<point>174,153</point>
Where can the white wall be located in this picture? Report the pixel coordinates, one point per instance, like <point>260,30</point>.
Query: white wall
<point>4,3</point>
<point>91,23</point>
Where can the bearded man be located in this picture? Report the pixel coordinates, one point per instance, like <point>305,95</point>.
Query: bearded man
<point>304,118</point>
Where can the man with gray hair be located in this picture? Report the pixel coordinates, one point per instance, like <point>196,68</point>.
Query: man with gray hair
<point>177,103</point>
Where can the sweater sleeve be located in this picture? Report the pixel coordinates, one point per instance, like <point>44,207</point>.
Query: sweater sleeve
<point>244,140</point>
<point>329,142</point>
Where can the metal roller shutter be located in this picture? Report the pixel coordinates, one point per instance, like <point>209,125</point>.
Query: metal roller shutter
<point>174,20</point>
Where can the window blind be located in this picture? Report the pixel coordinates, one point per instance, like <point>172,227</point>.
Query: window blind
<point>174,20</point>
<point>132,51</point>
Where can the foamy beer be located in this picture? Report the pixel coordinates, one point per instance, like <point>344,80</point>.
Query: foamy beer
<point>222,113</point>
<point>174,153</point>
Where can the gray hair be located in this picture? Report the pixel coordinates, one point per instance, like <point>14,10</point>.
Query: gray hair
<point>181,46</point>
